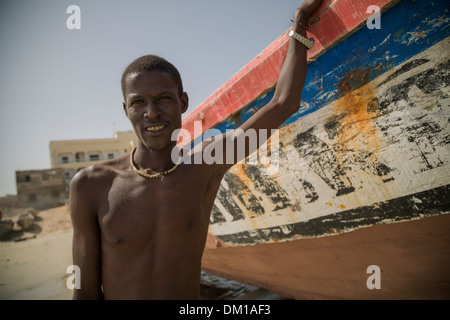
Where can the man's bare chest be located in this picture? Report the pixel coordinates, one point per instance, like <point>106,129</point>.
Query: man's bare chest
<point>137,211</point>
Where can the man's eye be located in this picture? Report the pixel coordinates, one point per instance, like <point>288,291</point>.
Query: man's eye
<point>135,102</point>
<point>164,99</point>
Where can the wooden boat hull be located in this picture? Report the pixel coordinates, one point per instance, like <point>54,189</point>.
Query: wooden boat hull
<point>361,176</point>
<point>414,258</point>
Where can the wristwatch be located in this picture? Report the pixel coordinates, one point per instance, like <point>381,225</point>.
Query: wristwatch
<point>309,43</point>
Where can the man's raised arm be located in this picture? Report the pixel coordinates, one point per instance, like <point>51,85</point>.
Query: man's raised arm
<point>286,99</point>
<point>288,91</point>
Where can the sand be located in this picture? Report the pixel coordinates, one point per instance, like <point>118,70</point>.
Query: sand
<point>35,268</point>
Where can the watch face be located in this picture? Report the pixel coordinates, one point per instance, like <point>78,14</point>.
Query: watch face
<point>291,33</point>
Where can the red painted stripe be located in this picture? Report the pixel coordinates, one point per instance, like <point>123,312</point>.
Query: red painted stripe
<point>333,21</point>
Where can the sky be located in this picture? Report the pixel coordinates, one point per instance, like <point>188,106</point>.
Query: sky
<point>63,84</point>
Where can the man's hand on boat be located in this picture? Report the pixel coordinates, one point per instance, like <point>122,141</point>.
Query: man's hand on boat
<point>308,7</point>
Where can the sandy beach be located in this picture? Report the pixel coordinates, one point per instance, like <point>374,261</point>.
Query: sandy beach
<point>35,267</point>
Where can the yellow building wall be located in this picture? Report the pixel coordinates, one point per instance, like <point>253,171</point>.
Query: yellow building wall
<point>74,155</point>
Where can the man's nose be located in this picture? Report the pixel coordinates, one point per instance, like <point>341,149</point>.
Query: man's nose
<point>152,110</point>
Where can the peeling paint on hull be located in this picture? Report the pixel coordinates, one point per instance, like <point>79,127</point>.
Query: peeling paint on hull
<point>386,140</point>
<point>370,144</point>
<point>382,142</point>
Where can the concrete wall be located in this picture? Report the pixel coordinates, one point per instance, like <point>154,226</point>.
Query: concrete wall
<point>9,203</point>
<point>41,189</point>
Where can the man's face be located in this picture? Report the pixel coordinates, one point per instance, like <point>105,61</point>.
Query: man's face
<point>154,107</point>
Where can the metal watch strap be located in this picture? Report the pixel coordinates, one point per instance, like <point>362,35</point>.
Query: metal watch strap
<point>309,43</point>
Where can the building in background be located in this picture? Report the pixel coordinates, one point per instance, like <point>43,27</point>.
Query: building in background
<point>8,203</point>
<point>73,155</point>
<point>49,188</point>
<point>41,189</point>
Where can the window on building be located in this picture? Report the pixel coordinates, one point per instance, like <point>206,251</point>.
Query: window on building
<point>55,194</point>
<point>79,156</point>
<point>94,157</point>
<point>27,178</point>
<point>64,159</point>
<point>110,155</point>
<point>32,197</point>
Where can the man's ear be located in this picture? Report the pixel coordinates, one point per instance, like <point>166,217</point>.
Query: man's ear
<point>125,108</point>
<point>184,102</point>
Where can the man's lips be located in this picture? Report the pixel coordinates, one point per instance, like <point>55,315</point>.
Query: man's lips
<point>155,127</point>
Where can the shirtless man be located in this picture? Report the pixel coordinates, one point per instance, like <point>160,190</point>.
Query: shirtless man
<point>142,237</point>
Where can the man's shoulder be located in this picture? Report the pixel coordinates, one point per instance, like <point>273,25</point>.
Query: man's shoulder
<point>100,172</point>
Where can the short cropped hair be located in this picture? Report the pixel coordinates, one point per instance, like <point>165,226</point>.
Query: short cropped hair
<point>150,63</point>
